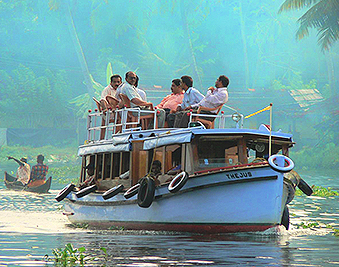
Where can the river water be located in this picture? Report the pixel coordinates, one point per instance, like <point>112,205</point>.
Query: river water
<point>32,225</point>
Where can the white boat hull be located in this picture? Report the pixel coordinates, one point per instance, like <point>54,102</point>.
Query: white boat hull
<point>249,199</point>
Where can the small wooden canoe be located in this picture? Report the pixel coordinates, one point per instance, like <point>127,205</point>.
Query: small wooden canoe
<point>42,188</point>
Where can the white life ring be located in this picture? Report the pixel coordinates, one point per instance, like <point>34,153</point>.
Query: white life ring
<point>287,161</point>
<point>178,182</point>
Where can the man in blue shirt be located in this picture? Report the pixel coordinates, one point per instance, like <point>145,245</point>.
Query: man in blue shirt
<point>191,96</point>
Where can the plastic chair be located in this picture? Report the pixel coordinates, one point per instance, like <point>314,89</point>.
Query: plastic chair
<point>112,102</point>
<point>208,124</point>
<point>144,119</point>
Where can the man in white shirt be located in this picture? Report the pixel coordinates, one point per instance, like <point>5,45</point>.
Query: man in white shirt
<point>23,172</point>
<point>111,89</point>
<point>215,97</point>
<point>136,100</point>
<point>191,96</point>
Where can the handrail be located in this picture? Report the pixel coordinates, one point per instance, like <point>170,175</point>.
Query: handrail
<point>222,118</point>
<point>109,120</point>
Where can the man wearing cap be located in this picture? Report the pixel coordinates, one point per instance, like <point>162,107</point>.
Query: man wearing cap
<point>39,170</point>
<point>24,170</point>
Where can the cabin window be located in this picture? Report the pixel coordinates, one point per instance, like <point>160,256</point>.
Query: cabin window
<point>169,156</point>
<point>217,151</point>
<point>116,165</point>
<point>124,162</point>
<point>107,166</point>
<point>98,166</point>
<point>86,160</point>
<point>258,150</point>
<point>173,158</point>
<point>209,153</point>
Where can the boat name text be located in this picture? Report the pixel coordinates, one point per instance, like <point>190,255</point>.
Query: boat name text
<point>239,175</point>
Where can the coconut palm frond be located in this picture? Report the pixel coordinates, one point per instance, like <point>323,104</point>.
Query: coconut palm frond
<point>324,17</point>
<point>296,4</point>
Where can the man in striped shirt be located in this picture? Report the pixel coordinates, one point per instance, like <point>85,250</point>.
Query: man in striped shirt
<point>40,170</point>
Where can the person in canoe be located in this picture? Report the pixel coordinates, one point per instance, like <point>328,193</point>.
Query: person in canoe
<point>39,171</point>
<point>23,172</point>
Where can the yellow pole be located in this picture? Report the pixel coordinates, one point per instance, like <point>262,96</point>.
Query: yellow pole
<point>270,138</point>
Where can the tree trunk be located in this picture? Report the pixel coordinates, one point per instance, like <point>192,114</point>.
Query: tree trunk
<point>244,42</point>
<point>78,49</point>
<point>188,34</point>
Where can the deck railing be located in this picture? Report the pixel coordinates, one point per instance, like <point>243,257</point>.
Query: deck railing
<point>102,125</point>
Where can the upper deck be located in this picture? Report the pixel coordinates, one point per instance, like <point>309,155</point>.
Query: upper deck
<point>112,131</point>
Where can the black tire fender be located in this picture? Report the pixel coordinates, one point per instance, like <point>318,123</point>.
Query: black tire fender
<point>305,188</point>
<point>146,192</point>
<point>132,191</point>
<point>64,192</point>
<point>87,190</point>
<point>285,219</point>
<point>112,192</point>
<point>178,182</point>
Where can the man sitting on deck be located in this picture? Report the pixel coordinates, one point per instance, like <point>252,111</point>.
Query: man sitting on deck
<point>39,171</point>
<point>23,172</point>
<point>170,103</point>
<point>191,96</point>
<point>214,98</point>
<point>111,89</point>
<point>132,94</point>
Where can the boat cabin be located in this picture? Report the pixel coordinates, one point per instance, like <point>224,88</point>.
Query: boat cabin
<point>126,157</point>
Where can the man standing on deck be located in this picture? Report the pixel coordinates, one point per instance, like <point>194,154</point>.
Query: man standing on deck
<point>191,96</point>
<point>39,170</point>
<point>23,172</point>
<point>111,89</point>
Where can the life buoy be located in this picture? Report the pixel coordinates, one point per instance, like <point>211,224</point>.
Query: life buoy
<point>86,191</point>
<point>132,191</point>
<point>64,192</point>
<point>146,192</point>
<point>303,186</point>
<point>178,182</point>
<point>272,161</point>
<point>285,219</point>
<point>112,192</point>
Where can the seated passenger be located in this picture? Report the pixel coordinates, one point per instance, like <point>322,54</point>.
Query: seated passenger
<point>141,92</point>
<point>39,171</point>
<point>132,94</point>
<point>128,88</point>
<point>170,103</point>
<point>90,180</point>
<point>111,89</point>
<point>156,171</point>
<point>214,98</point>
<point>191,96</point>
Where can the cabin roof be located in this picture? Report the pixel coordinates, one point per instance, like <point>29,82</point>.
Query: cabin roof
<point>165,136</point>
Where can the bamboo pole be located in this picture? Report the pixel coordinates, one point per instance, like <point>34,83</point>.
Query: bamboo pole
<point>270,138</point>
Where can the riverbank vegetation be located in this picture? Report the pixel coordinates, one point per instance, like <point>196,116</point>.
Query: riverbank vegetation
<point>71,256</point>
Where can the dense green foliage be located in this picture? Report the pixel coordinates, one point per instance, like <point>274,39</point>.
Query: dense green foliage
<point>324,156</point>
<point>54,57</point>
<point>322,15</point>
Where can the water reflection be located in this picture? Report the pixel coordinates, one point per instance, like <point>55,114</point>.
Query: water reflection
<point>32,225</point>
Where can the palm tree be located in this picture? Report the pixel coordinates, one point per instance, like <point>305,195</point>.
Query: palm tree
<point>322,15</point>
